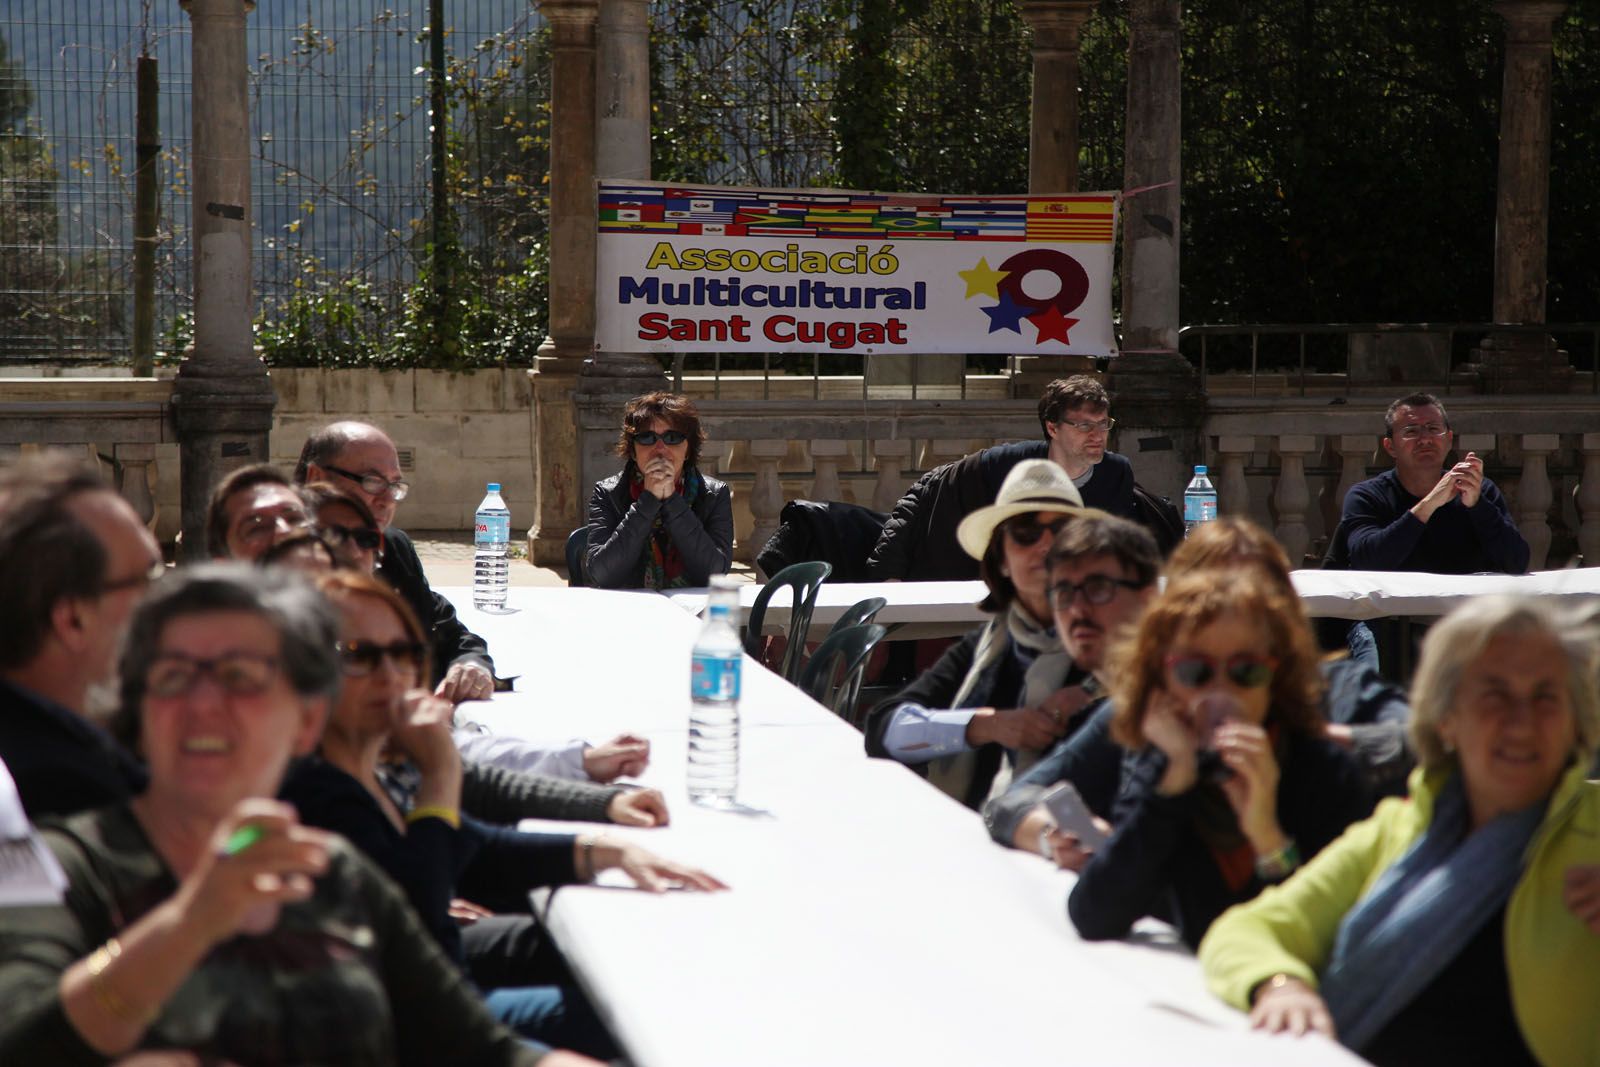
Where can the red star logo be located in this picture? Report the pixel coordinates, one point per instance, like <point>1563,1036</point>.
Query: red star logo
<point>1052,325</point>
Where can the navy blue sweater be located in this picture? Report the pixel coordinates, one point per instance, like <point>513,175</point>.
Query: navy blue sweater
<point>1385,536</point>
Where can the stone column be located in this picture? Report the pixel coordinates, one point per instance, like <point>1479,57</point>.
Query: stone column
<point>1524,362</point>
<point>1535,495</point>
<point>1053,141</point>
<point>222,399</point>
<point>1156,393</point>
<point>560,494</point>
<point>622,150</point>
<point>1588,500</point>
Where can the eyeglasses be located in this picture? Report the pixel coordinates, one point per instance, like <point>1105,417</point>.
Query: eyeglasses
<point>150,574</point>
<point>1027,531</point>
<point>1103,426</point>
<point>1244,669</point>
<point>373,484</point>
<point>258,528</point>
<point>361,658</point>
<point>648,438</point>
<point>1417,433</point>
<point>173,674</point>
<point>1096,589</point>
<point>363,538</point>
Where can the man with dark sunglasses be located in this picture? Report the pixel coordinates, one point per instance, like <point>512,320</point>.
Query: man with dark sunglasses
<point>1103,574</point>
<point>360,459</point>
<point>74,560</point>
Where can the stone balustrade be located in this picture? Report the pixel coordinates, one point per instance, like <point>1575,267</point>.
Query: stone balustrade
<point>121,420</point>
<point>1275,456</point>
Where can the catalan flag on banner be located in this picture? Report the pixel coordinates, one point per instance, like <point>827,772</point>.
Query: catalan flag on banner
<point>1086,220</point>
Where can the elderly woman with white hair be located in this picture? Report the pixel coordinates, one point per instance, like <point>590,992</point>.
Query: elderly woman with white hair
<point>1482,887</point>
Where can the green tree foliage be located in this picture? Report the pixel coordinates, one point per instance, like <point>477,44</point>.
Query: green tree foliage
<point>29,260</point>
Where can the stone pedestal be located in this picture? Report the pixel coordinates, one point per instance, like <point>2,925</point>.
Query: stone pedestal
<point>561,498</point>
<point>1155,392</point>
<point>1523,362</point>
<point>222,398</point>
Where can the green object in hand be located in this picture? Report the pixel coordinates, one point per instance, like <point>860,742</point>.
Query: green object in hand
<point>241,839</point>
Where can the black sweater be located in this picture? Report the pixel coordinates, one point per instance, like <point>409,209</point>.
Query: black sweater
<point>449,638</point>
<point>1157,864</point>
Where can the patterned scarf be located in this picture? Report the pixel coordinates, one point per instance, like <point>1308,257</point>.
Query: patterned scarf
<point>664,568</point>
<point>1421,911</point>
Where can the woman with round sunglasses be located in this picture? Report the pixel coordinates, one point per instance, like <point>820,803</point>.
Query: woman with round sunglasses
<point>387,777</point>
<point>1462,923</point>
<point>203,917</point>
<point>346,523</point>
<point>661,523</point>
<point>1231,782</point>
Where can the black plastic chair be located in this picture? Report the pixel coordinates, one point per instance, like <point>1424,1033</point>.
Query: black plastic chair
<point>860,613</point>
<point>804,580</point>
<point>577,546</point>
<point>851,647</point>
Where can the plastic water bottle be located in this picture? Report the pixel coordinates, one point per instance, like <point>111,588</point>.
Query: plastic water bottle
<point>714,695</point>
<point>1199,500</point>
<point>491,539</point>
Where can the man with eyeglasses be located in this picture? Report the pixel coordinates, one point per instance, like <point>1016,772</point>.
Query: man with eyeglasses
<point>252,509</point>
<point>919,539</point>
<point>361,459</point>
<point>74,560</point>
<point>1102,577</point>
<point>1423,515</point>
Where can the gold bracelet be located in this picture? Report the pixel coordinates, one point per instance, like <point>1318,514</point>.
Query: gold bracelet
<point>1276,982</point>
<point>435,811</point>
<point>104,995</point>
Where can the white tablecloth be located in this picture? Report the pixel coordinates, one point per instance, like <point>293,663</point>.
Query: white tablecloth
<point>947,609</point>
<point>871,919</point>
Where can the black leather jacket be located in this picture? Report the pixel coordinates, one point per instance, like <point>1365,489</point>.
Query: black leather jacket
<point>619,532</point>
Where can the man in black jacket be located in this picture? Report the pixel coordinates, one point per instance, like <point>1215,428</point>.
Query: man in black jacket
<point>919,540</point>
<point>362,459</point>
<point>74,559</point>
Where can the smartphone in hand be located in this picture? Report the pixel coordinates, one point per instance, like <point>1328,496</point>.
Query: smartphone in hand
<point>1066,806</point>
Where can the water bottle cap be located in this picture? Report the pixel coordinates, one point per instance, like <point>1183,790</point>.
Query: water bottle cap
<point>494,487</point>
<point>1200,468</point>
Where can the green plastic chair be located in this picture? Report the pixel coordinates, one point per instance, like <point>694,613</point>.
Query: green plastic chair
<point>860,613</point>
<point>850,647</point>
<point>803,580</point>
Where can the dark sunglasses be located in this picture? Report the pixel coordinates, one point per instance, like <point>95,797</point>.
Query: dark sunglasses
<point>359,536</point>
<point>361,658</point>
<point>1244,669</point>
<point>1027,531</point>
<point>648,438</point>
<point>1097,589</point>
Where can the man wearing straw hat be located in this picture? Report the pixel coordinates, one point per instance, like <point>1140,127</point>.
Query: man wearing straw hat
<point>1006,691</point>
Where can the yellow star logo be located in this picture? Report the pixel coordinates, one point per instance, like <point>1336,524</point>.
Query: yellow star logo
<point>982,280</point>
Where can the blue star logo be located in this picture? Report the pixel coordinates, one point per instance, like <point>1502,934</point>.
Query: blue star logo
<point>1006,315</point>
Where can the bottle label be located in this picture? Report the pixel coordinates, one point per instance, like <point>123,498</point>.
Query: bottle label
<point>714,678</point>
<point>491,529</point>
<point>1199,508</point>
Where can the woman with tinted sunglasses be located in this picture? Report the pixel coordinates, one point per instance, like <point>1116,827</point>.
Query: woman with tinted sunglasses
<point>1229,783</point>
<point>388,778</point>
<point>344,521</point>
<point>661,523</point>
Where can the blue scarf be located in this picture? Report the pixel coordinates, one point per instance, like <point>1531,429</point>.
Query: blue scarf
<point>1421,913</point>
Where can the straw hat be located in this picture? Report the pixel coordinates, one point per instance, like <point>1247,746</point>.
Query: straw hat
<point>1033,485</point>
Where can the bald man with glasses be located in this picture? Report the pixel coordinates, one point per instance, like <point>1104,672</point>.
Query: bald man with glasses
<point>1426,514</point>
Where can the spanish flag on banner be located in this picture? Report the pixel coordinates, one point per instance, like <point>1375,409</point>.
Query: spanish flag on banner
<point>1087,220</point>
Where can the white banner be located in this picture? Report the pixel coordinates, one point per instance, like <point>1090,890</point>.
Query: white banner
<point>772,270</point>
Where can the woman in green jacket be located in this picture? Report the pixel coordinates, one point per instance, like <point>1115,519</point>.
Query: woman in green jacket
<point>1481,888</point>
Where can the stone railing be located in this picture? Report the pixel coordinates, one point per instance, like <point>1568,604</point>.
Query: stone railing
<point>120,420</point>
<point>1288,463</point>
<point>1285,462</point>
<point>865,452</point>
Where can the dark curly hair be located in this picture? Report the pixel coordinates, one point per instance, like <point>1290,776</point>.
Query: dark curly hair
<point>675,409</point>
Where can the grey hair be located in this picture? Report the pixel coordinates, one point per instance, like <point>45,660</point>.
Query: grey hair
<point>1462,636</point>
<point>323,445</point>
<point>307,627</point>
